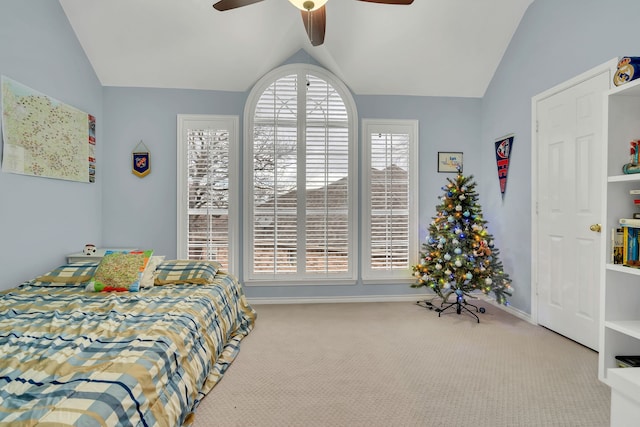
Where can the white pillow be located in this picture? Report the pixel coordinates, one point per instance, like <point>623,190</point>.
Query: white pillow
<point>148,275</point>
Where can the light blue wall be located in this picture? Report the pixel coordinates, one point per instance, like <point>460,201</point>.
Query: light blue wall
<point>43,219</point>
<point>556,40</point>
<point>142,212</point>
<point>445,124</point>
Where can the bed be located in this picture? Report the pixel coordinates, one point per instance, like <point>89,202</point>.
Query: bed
<point>73,356</point>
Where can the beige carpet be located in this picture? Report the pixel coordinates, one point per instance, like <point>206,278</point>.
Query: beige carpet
<point>398,364</point>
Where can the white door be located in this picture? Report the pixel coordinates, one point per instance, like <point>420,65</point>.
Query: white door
<point>570,173</point>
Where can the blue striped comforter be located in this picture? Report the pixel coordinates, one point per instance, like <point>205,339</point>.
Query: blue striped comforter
<point>71,357</point>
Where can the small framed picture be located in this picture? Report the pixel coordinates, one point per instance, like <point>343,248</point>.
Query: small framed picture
<point>449,161</point>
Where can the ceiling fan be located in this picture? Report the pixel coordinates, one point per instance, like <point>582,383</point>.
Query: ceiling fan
<point>313,13</point>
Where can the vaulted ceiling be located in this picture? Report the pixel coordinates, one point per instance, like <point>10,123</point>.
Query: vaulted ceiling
<point>430,48</point>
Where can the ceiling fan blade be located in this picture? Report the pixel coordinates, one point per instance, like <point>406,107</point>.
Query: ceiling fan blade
<point>223,5</point>
<point>402,2</point>
<point>315,23</point>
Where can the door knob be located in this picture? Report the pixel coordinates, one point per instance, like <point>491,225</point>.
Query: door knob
<point>595,227</point>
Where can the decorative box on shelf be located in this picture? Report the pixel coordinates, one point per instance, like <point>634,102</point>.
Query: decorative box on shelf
<point>97,256</point>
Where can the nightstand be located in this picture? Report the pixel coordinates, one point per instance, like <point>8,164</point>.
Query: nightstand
<point>80,256</point>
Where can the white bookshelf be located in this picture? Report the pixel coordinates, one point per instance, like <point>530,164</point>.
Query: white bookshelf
<point>627,327</point>
<point>620,290</point>
<point>625,400</point>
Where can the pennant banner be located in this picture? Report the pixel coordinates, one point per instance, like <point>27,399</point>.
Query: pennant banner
<point>503,154</point>
<point>141,160</point>
<point>141,164</point>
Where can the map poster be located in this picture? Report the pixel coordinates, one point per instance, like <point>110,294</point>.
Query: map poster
<point>45,137</point>
<point>92,148</point>
<point>503,156</point>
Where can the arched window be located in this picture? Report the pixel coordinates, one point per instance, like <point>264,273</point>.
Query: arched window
<point>300,175</point>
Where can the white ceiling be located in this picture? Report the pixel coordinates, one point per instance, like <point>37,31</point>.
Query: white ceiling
<point>430,48</point>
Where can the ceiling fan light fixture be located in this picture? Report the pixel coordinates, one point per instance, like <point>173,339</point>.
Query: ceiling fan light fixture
<point>308,5</point>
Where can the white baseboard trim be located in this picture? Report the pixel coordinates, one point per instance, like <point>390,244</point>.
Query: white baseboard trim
<point>343,299</point>
<point>378,298</point>
<point>509,309</point>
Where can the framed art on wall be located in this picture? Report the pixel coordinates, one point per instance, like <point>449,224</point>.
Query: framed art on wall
<point>44,137</point>
<point>449,161</point>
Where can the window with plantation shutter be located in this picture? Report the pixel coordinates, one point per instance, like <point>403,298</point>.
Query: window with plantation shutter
<point>390,193</point>
<point>300,178</point>
<point>207,180</point>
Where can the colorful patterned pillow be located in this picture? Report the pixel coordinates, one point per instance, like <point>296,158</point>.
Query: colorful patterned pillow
<point>120,271</point>
<point>186,271</point>
<point>71,273</point>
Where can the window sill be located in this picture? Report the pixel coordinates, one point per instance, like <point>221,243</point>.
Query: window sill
<point>276,282</point>
<point>389,281</point>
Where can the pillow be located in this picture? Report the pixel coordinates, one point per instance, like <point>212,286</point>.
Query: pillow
<point>120,271</point>
<point>186,271</point>
<point>148,276</point>
<point>73,272</point>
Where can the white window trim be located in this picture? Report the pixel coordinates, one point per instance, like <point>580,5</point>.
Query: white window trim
<point>370,126</point>
<point>248,277</point>
<point>226,122</point>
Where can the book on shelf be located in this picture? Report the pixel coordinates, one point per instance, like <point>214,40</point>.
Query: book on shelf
<point>630,222</point>
<point>628,361</point>
<point>617,236</point>
<point>630,246</point>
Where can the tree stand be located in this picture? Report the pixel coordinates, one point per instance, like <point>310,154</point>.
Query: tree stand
<point>460,304</point>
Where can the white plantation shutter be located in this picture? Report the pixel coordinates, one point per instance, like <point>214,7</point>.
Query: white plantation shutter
<point>274,220</point>
<point>302,190</point>
<point>205,153</point>
<point>326,179</point>
<point>389,241</point>
<point>208,152</point>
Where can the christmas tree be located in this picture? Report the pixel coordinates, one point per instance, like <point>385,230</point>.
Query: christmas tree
<point>459,256</point>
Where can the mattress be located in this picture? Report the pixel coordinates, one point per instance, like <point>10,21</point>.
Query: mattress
<point>73,357</point>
